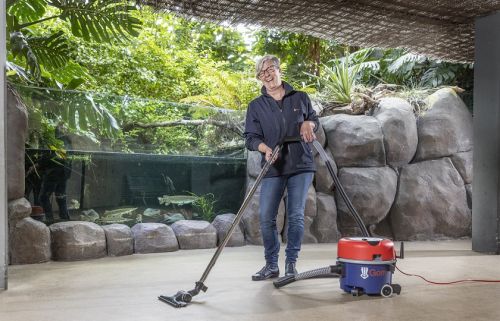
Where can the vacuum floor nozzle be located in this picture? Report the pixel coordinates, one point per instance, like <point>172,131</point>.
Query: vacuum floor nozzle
<point>179,300</point>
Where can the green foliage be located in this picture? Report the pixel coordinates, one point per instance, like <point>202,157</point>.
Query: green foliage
<point>301,55</point>
<point>24,11</point>
<point>44,47</point>
<point>221,44</point>
<point>99,20</point>
<point>96,20</point>
<point>205,204</point>
<point>225,89</point>
<point>79,111</point>
<point>396,66</point>
<point>339,80</point>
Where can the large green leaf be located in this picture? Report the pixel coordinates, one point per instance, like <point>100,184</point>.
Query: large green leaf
<point>99,20</point>
<point>27,10</point>
<point>69,75</point>
<point>52,51</point>
<point>77,110</point>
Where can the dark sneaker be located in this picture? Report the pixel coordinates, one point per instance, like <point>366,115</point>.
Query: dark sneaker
<point>267,272</point>
<point>290,269</point>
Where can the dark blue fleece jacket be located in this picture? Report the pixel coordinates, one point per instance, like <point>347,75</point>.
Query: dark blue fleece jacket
<point>267,123</point>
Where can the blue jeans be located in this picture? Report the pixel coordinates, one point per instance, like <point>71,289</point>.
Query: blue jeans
<point>271,193</point>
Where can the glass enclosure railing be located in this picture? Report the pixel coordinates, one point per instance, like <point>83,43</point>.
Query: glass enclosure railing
<point>117,159</point>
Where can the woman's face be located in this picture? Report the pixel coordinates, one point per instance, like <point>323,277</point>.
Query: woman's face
<point>270,76</point>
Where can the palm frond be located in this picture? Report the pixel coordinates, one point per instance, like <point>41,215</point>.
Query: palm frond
<point>99,20</point>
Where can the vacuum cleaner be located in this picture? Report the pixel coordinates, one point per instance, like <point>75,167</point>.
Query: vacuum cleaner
<point>182,298</point>
<point>364,265</point>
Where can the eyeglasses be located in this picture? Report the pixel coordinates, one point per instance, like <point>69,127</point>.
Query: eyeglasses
<point>269,70</point>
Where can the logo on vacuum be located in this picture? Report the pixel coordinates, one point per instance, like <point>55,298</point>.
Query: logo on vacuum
<point>364,272</point>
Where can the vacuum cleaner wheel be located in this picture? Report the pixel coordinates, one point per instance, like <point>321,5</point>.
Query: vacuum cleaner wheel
<point>386,291</point>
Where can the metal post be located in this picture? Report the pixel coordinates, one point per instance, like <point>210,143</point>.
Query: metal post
<point>486,184</point>
<point>4,261</point>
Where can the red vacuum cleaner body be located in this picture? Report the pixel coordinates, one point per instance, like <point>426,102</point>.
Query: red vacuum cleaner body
<point>367,265</point>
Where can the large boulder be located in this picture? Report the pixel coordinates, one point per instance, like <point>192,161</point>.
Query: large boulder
<point>445,128</point>
<point>73,241</point>
<point>383,229</point>
<point>463,164</point>
<point>17,129</point>
<point>399,127</point>
<point>29,242</point>
<point>18,209</point>
<point>371,190</point>
<point>253,163</point>
<point>195,234</point>
<point>322,178</point>
<point>222,224</point>
<point>310,213</point>
<point>431,202</point>
<point>324,227</point>
<point>154,238</point>
<point>355,141</point>
<point>320,137</point>
<point>251,220</point>
<point>119,239</point>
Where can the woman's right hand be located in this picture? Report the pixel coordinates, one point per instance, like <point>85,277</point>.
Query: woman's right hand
<point>263,148</point>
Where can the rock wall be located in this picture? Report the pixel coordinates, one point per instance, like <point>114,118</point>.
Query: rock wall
<point>408,178</point>
<point>17,130</point>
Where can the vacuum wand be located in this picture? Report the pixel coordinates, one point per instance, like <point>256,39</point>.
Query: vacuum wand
<point>182,298</point>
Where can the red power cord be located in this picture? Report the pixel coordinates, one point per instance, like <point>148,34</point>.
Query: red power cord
<point>448,283</point>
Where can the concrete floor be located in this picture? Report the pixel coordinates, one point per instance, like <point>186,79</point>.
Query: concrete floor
<point>126,288</point>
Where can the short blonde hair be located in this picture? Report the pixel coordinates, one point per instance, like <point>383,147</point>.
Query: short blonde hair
<point>260,63</point>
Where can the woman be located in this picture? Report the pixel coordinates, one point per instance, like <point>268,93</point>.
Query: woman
<point>281,112</point>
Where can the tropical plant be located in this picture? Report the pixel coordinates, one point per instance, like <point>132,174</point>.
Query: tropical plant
<point>82,112</point>
<point>396,66</point>
<point>339,80</point>
<point>47,54</point>
<point>205,204</point>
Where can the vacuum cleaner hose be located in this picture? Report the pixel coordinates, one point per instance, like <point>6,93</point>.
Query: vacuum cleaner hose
<point>329,271</point>
<point>341,190</point>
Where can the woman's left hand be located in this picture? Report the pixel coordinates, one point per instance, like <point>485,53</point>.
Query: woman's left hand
<point>307,131</point>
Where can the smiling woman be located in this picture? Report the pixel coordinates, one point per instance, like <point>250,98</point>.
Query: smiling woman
<point>279,112</point>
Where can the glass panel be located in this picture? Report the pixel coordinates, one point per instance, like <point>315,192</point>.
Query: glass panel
<point>91,152</point>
